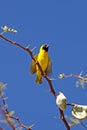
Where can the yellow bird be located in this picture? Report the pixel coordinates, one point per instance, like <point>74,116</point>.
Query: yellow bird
<point>44,60</point>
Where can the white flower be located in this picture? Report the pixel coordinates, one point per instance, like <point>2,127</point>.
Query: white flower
<point>7,29</point>
<point>79,111</point>
<point>4,28</point>
<point>61,101</point>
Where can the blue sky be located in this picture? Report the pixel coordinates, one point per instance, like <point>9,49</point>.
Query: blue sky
<point>63,25</point>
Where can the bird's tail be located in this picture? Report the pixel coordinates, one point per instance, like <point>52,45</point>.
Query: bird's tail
<point>38,79</point>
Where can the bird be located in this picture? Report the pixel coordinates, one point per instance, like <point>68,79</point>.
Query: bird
<point>44,60</point>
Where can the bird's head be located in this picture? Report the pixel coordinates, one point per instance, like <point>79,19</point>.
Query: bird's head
<point>44,48</point>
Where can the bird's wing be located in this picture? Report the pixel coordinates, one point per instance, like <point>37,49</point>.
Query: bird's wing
<point>49,68</point>
<point>33,65</point>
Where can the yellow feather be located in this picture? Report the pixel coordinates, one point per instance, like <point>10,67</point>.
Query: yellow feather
<point>43,58</point>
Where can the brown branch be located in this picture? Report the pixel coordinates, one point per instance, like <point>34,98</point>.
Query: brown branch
<point>51,87</point>
<point>5,106</point>
<point>17,44</point>
<point>5,111</point>
<point>1,128</point>
<point>7,116</point>
<point>20,123</point>
<point>68,104</point>
<point>9,122</point>
<point>43,74</point>
<point>63,119</point>
<point>30,52</point>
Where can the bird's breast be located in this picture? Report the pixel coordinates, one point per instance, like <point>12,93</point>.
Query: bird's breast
<point>43,61</point>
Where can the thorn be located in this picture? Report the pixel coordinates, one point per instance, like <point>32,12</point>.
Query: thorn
<point>33,49</point>
<point>52,79</point>
<point>49,91</point>
<point>28,46</point>
<point>81,73</point>
<point>5,98</point>
<point>2,33</point>
<point>30,127</point>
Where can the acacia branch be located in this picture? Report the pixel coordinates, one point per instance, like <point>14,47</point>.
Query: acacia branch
<point>8,116</point>
<point>20,123</point>
<point>64,120</point>
<point>9,122</point>
<point>61,76</point>
<point>30,52</point>
<point>1,128</point>
<point>43,74</point>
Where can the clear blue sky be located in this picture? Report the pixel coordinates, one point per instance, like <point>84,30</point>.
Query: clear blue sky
<point>63,25</point>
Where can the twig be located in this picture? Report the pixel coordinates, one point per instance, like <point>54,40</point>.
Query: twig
<point>1,128</point>
<point>63,119</point>
<point>20,123</point>
<point>72,76</point>
<point>7,116</point>
<point>5,106</point>
<point>9,122</point>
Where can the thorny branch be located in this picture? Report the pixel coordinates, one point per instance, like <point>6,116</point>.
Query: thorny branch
<point>8,121</point>
<point>21,124</point>
<point>71,76</point>
<point>82,79</point>
<point>43,74</point>
<point>79,76</point>
<point>8,116</point>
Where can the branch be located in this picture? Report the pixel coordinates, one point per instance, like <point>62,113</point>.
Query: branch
<point>9,115</point>
<point>9,122</point>
<point>79,76</point>
<point>30,52</point>
<point>1,128</point>
<point>43,74</point>
<point>20,123</point>
<point>64,120</point>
